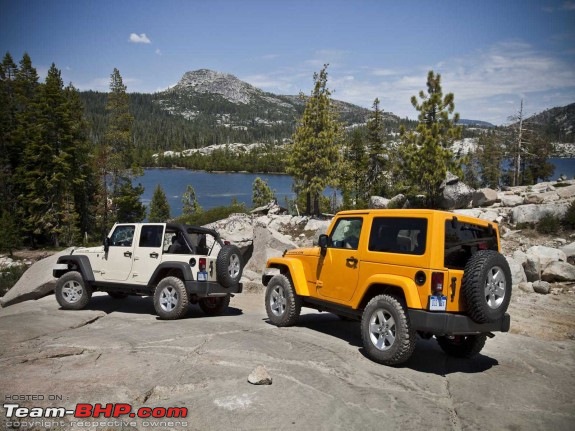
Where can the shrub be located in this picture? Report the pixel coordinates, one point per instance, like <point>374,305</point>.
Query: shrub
<point>569,217</point>
<point>548,225</point>
<point>205,217</point>
<point>9,277</point>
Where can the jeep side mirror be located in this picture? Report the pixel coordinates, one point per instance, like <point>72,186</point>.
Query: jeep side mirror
<point>106,244</point>
<point>323,242</point>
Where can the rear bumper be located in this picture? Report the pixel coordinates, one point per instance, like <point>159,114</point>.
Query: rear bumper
<point>210,288</point>
<point>453,324</point>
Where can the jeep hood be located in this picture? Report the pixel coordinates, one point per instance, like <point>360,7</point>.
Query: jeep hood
<point>84,250</point>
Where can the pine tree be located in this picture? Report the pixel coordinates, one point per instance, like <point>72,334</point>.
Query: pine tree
<point>190,205</point>
<point>262,194</point>
<point>159,206</point>
<point>354,172</point>
<point>115,161</point>
<point>489,155</point>
<point>9,151</point>
<point>426,153</point>
<point>314,159</point>
<point>377,161</point>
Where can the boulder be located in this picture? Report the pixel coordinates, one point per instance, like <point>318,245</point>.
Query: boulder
<point>532,268</point>
<point>533,213</point>
<point>397,201</point>
<point>558,272</point>
<point>267,243</point>
<point>545,255</point>
<point>513,200</point>
<point>566,192</point>
<point>484,197</point>
<point>541,198</point>
<point>455,193</point>
<point>517,272</point>
<point>377,202</point>
<point>568,249</point>
<point>237,228</point>
<point>260,376</point>
<point>35,283</point>
<point>542,287</point>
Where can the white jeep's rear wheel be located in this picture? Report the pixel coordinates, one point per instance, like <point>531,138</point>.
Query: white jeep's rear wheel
<point>171,298</point>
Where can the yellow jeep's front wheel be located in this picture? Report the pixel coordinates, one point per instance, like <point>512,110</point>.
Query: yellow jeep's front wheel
<point>385,331</point>
<point>283,304</point>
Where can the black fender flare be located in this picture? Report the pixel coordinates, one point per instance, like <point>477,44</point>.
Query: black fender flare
<point>78,260</point>
<point>166,267</point>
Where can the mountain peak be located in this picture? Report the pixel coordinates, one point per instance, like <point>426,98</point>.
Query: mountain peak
<point>224,84</point>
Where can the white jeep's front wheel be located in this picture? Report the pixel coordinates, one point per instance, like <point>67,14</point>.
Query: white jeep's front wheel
<point>71,291</point>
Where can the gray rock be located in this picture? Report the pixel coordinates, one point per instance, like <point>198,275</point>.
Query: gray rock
<point>378,202</point>
<point>511,200</point>
<point>545,255</point>
<point>517,272</point>
<point>267,243</point>
<point>568,249</point>
<point>455,193</point>
<point>532,268</point>
<point>35,283</point>
<point>525,286</point>
<point>542,287</point>
<point>260,376</point>
<point>558,272</point>
<point>533,213</point>
<point>566,192</point>
<point>397,201</point>
<point>484,197</point>
<point>238,229</point>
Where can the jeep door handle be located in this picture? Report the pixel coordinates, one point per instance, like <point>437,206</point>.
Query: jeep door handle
<point>154,255</point>
<point>351,261</point>
<point>128,253</point>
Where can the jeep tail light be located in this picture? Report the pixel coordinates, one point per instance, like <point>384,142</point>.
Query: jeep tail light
<point>227,243</point>
<point>202,263</point>
<point>437,282</point>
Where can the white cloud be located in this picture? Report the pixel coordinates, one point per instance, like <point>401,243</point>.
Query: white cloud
<point>139,38</point>
<point>158,52</point>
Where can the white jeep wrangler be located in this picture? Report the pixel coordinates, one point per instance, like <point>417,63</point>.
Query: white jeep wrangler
<point>176,264</point>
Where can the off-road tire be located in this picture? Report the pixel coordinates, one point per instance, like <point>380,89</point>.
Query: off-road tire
<point>385,330</point>
<point>215,305</point>
<point>283,304</point>
<point>171,298</point>
<point>462,346</point>
<point>486,286</point>
<point>229,266</point>
<point>71,291</point>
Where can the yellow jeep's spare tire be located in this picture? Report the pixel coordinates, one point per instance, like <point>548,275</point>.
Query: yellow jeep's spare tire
<point>486,286</point>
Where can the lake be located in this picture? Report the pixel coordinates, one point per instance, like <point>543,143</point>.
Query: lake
<point>218,189</point>
<point>212,189</point>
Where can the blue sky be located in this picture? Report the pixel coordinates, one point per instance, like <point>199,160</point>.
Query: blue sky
<point>490,53</point>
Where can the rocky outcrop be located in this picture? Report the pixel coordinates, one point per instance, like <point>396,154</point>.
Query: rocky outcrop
<point>455,193</point>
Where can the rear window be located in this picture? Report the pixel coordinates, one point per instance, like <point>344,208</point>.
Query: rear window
<point>398,235</point>
<point>462,240</point>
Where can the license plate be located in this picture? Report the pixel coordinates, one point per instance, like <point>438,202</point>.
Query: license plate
<point>202,276</point>
<point>437,303</point>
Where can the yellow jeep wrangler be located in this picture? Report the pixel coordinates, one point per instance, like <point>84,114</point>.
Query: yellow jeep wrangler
<point>402,273</point>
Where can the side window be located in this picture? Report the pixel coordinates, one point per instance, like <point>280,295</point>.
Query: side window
<point>398,235</point>
<point>122,236</point>
<point>151,236</point>
<point>346,233</point>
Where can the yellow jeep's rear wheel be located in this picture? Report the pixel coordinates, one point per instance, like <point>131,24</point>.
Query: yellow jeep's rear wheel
<point>385,331</point>
<point>283,304</point>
